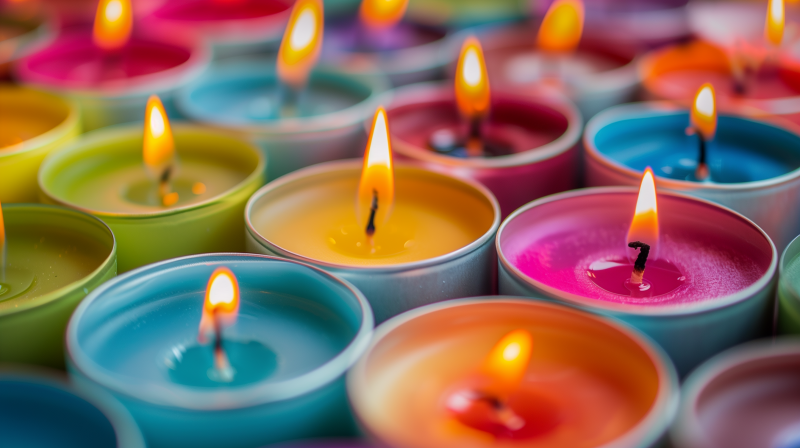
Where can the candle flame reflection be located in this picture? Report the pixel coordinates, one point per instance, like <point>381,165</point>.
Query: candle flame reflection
<point>301,43</point>
<point>508,360</point>
<point>376,187</point>
<point>644,226</point>
<point>221,304</point>
<point>472,81</point>
<point>382,13</point>
<point>561,27</point>
<point>704,112</point>
<point>112,24</point>
<point>773,29</point>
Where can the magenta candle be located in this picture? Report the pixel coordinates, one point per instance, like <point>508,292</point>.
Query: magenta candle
<point>539,136</point>
<point>707,286</point>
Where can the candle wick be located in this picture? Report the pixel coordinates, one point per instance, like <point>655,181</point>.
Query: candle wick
<point>504,414</point>
<point>221,363</point>
<point>372,210</point>
<point>475,138</point>
<point>701,173</point>
<point>289,101</point>
<point>164,186</point>
<point>637,275</point>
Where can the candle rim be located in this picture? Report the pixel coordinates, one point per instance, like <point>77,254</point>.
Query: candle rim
<point>86,281</point>
<point>60,130</point>
<point>649,109</point>
<point>256,394</point>
<point>134,131</point>
<point>631,309</point>
<point>783,265</point>
<point>356,165</point>
<point>667,399</point>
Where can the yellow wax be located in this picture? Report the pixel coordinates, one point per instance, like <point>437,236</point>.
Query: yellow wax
<point>23,116</point>
<point>432,215</point>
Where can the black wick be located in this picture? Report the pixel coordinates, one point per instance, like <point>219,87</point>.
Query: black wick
<point>641,260</point>
<point>372,210</point>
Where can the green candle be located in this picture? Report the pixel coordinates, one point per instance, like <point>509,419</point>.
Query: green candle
<point>52,258</point>
<point>789,290</point>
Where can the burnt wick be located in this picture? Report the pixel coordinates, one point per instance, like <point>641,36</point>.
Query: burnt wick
<point>702,172</point>
<point>372,210</point>
<point>221,363</point>
<point>638,266</point>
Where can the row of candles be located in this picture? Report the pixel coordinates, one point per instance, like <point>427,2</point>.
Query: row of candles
<point>230,349</point>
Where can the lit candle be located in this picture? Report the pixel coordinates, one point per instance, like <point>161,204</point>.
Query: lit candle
<point>204,350</point>
<point>412,237</point>
<point>521,148</point>
<point>164,195</point>
<point>682,270</point>
<point>508,372</point>
<point>50,258</point>
<point>112,70</point>
<point>299,116</point>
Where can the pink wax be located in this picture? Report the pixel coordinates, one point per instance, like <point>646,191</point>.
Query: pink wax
<point>684,85</point>
<point>556,242</point>
<point>218,10</point>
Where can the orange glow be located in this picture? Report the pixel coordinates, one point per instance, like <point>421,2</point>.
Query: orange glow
<point>113,24</point>
<point>301,43</point>
<point>704,112</point>
<point>382,13</point>
<point>508,360</point>
<point>773,29</point>
<point>221,305</point>
<point>159,148</point>
<point>377,176</point>
<point>644,226</point>
<point>472,81</point>
<point>561,27</point>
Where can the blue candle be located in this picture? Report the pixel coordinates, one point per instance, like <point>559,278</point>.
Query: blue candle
<point>40,409</point>
<point>298,330</point>
<point>753,164</point>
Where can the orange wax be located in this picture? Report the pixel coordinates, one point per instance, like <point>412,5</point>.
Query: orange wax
<point>597,382</point>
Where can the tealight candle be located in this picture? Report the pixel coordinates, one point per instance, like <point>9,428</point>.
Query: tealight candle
<point>695,276</point>
<point>747,397</point>
<point>749,165</point>
<point>113,70</point>
<point>788,290</point>
<point>32,123</point>
<point>23,28</point>
<point>379,42</point>
<point>232,27</point>
<point>593,71</point>
<point>163,198</point>
<point>298,117</point>
<point>521,148</point>
<point>167,342</point>
<point>40,408</point>
<point>50,258</point>
<point>410,237</point>
<point>507,372</point>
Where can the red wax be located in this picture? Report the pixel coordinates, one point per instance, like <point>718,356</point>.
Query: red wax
<point>219,10</point>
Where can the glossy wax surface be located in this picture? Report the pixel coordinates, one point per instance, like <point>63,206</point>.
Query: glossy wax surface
<point>23,116</point>
<point>600,382</point>
<point>219,10</point>
<point>743,150</point>
<point>432,215</point>
<point>555,243</point>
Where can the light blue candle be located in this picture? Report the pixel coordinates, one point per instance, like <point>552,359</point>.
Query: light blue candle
<point>298,330</point>
<point>754,164</point>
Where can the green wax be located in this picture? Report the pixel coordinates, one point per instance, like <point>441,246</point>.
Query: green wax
<point>789,291</point>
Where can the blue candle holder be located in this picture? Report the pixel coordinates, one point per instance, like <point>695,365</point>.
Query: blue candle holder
<point>38,408</point>
<point>298,331</point>
<point>325,123</point>
<point>754,164</point>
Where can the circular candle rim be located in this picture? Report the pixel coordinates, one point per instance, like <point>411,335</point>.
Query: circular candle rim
<point>131,87</point>
<point>256,394</point>
<point>677,309</point>
<point>126,430</point>
<point>22,45</point>
<point>126,130</point>
<point>687,427</point>
<point>783,265</point>
<point>669,390</point>
<point>422,93</point>
<point>51,135</point>
<point>677,16</point>
<point>357,165</point>
<point>664,108</point>
<point>77,284</point>
<point>339,119</point>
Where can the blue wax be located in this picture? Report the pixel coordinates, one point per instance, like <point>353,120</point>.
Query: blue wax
<point>743,150</point>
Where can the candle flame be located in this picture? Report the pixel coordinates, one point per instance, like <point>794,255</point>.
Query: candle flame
<point>773,30</point>
<point>508,360</point>
<point>704,112</point>
<point>561,27</point>
<point>382,13</point>
<point>221,305</point>
<point>644,226</point>
<point>301,43</point>
<point>158,149</point>
<point>377,176</point>
<point>472,81</point>
<point>113,24</point>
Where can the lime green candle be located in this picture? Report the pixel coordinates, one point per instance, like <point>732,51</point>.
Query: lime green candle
<point>789,290</point>
<point>32,124</point>
<point>53,257</point>
<point>104,174</point>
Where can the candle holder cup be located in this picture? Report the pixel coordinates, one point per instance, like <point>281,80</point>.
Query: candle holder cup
<point>788,296</point>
